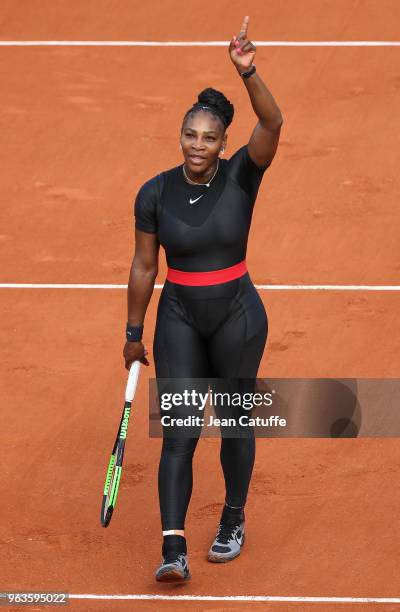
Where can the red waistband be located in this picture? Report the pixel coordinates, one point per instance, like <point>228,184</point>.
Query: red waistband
<point>214,277</point>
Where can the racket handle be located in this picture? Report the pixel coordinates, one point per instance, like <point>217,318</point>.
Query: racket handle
<point>132,381</point>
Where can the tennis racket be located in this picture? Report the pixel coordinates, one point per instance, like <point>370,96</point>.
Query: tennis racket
<point>115,465</point>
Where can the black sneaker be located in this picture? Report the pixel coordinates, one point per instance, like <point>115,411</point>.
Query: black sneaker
<point>174,568</point>
<point>228,542</point>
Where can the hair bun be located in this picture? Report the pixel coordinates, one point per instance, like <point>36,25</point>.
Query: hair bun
<point>215,98</point>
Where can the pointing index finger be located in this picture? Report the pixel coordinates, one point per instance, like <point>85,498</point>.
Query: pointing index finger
<point>243,29</point>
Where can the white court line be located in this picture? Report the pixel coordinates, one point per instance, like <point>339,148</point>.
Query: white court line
<point>262,287</point>
<point>196,43</point>
<point>248,598</point>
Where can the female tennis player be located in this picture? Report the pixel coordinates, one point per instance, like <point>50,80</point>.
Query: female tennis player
<point>210,319</point>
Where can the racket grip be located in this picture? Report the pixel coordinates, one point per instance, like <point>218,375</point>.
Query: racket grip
<point>132,381</point>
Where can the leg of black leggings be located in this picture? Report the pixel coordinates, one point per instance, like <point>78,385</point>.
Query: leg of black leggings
<point>175,481</point>
<point>236,352</point>
<point>237,459</point>
<point>179,352</point>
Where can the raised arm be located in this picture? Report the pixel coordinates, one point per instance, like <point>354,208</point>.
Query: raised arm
<point>143,273</point>
<point>265,137</point>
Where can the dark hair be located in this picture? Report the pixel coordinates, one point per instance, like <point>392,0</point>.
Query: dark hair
<point>214,102</point>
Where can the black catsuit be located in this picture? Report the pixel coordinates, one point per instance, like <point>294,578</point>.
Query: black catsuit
<point>217,330</point>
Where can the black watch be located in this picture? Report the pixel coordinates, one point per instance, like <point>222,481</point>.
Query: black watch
<point>248,73</point>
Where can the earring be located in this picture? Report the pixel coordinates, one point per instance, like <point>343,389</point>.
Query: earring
<point>222,151</point>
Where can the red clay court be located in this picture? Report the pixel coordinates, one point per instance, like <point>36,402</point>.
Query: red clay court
<point>83,126</point>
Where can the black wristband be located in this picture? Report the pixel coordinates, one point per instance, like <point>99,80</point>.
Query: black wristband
<point>134,333</point>
<point>248,73</point>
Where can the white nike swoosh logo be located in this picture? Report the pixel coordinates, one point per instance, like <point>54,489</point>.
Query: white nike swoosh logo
<point>195,200</point>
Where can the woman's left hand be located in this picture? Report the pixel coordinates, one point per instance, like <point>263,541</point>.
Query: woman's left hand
<point>241,49</point>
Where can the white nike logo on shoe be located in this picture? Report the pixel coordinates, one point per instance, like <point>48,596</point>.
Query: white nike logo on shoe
<point>195,200</point>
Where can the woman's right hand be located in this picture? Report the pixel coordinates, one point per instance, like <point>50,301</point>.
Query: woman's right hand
<point>134,351</point>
